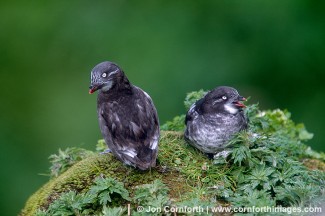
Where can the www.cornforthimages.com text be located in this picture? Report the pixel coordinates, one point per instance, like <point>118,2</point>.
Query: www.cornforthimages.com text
<point>222,209</point>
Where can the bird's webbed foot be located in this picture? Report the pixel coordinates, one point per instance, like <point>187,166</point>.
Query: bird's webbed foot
<point>107,151</point>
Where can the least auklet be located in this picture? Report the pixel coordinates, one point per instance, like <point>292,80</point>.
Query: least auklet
<point>127,117</point>
<point>214,119</point>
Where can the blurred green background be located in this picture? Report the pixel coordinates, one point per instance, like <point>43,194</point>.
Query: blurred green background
<point>272,51</point>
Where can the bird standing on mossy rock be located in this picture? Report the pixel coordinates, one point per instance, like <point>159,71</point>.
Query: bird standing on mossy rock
<point>214,119</point>
<point>127,117</point>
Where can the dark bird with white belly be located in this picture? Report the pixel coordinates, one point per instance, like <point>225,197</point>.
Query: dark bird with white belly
<point>214,119</point>
<point>127,117</point>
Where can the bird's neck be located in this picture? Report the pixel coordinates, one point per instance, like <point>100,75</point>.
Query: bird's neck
<point>123,83</point>
<point>121,86</point>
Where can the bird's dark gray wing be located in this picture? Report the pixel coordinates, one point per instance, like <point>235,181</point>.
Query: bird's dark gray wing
<point>244,121</point>
<point>190,116</point>
<point>130,127</point>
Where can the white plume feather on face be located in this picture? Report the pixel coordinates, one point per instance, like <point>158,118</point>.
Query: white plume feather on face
<point>103,76</point>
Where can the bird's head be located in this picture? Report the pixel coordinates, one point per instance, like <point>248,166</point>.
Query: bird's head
<point>104,76</point>
<point>225,99</point>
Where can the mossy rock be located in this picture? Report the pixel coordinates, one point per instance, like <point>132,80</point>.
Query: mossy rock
<point>182,168</point>
<point>173,151</point>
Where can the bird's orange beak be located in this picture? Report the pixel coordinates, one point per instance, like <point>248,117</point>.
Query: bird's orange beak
<point>92,89</point>
<point>238,103</point>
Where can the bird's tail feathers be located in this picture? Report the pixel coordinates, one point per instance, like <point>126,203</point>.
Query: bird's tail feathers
<point>142,160</point>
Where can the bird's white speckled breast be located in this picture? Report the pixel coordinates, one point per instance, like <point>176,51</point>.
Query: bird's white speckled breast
<point>210,133</point>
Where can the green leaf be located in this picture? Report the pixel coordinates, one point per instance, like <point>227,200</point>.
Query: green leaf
<point>104,188</point>
<point>117,211</point>
<point>66,158</point>
<point>177,124</point>
<point>192,97</point>
<point>154,194</point>
<point>304,134</point>
<point>240,154</point>
<point>101,146</point>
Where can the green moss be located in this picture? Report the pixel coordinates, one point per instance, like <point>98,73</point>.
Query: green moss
<point>186,172</point>
<point>80,176</point>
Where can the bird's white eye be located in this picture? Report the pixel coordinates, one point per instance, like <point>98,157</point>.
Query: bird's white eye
<point>104,75</point>
<point>224,97</point>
